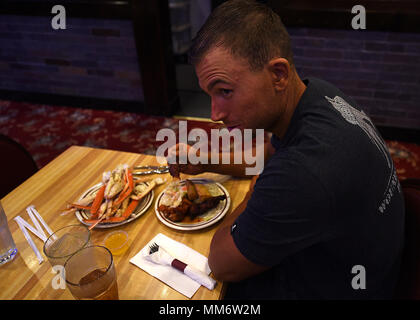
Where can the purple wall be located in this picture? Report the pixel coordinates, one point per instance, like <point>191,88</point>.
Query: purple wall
<point>380,70</point>
<point>91,58</point>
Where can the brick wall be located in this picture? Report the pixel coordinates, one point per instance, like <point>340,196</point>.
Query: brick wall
<point>91,58</point>
<point>380,70</point>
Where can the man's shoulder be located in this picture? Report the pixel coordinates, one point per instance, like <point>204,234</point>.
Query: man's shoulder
<point>322,91</point>
<point>321,85</point>
<point>327,119</point>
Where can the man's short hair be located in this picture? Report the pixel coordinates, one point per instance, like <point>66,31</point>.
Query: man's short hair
<point>246,28</point>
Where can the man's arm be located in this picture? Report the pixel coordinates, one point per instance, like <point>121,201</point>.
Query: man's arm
<point>232,169</point>
<point>225,260</point>
<point>238,170</point>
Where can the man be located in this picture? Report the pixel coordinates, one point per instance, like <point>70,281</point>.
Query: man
<point>325,218</point>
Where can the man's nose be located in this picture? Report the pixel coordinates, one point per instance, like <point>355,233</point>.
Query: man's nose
<point>217,114</point>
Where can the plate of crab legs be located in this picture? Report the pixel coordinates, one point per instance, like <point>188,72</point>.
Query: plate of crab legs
<point>118,199</point>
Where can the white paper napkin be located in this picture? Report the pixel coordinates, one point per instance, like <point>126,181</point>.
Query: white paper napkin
<point>169,275</point>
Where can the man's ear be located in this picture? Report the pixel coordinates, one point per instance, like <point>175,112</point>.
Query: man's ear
<point>279,69</point>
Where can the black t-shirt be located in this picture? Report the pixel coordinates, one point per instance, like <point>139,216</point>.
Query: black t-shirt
<point>327,212</point>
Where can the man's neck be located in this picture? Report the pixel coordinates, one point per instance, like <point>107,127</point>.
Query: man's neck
<point>291,100</point>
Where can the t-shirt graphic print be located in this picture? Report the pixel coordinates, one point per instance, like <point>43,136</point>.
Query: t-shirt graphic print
<point>359,118</point>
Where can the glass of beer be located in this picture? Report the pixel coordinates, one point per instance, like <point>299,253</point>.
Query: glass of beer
<point>90,274</point>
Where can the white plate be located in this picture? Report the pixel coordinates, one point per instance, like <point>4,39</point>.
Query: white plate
<point>209,218</point>
<point>141,208</point>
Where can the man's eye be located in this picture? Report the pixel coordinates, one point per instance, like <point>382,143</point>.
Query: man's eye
<point>225,92</point>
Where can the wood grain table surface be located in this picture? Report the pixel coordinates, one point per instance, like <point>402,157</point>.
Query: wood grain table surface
<point>64,180</point>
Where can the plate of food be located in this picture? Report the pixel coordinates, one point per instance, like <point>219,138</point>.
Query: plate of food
<point>192,204</point>
<point>117,200</point>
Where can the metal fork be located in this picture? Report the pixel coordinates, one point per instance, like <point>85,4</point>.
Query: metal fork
<point>150,167</point>
<point>155,169</point>
<point>153,248</point>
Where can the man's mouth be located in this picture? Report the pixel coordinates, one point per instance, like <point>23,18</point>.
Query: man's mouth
<point>230,128</point>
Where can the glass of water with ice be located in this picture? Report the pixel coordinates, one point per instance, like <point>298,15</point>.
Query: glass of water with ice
<point>65,242</point>
<point>7,246</point>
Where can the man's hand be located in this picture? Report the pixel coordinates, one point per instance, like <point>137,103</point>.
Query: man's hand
<point>182,150</point>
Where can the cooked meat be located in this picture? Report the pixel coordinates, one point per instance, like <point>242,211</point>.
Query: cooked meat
<point>191,191</point>
<point>196,209</point>
<point>196,201</point>
<point>202,191</point>
<point>174,170</point>
<point>178,213</point>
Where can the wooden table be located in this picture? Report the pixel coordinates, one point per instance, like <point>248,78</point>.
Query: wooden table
<point>65,179</point>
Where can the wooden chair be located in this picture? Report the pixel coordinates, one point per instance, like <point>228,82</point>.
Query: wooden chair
<point>408,286</point>
<point>16,165</point>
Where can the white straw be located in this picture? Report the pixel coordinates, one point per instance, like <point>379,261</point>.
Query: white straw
<point>37,226</point>
<point>32,208</point>
<point>32,229</point>
<point>20,221</point>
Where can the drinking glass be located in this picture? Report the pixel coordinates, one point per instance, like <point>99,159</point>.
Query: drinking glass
<point>65,242</point>
<point>90,274</point>
<point>7,246</point>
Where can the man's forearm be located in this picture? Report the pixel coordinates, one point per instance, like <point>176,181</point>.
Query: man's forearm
<point>225,163</point>
<point>236,170</point>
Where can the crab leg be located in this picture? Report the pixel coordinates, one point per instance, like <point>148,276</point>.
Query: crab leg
<point>109,211</point>
<point>145,192</point>
<point>88,200</point>
<point>124,194</point>
<point>102,210</point>
<point>130,208</point>
<point>98,200</point>
<point>149,188</point>
<point>125,186</point>
<point>67,211</point>
<point>104,217</point>
<point>125,181</point>
<point>115,183</point>
<point>94,222</point>
<point>121,207</point>
<point>78,206</point>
